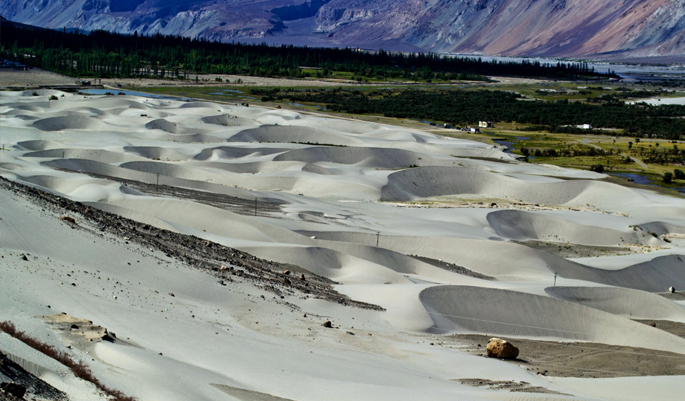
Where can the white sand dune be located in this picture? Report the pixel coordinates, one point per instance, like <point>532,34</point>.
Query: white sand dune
<point>162,124</point>
<point>521,226</point>
<point>367,157</point>
<point>206,105</point>
<point>156,152</point>
<point>331,178</point>
<point>656,275</point>
<point>39,144</point>
<point>621,301</point>
<point>103,156</point>
<point>424,182</point>
<point>511,313</point>
<point>69,123</point>
<point>227,120</point>
<point>289,134</point>
<point>231,152</point>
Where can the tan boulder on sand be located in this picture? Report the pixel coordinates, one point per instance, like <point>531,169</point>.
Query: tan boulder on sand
<point>498,348</point>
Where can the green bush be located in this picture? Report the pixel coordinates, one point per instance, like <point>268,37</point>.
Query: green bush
<point>668,178</point>
<point>598,168</point>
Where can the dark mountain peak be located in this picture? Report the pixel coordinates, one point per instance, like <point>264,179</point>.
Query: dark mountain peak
<point>498,27</point>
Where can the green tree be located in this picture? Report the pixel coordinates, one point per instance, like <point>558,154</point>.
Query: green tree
<point>668,178</point>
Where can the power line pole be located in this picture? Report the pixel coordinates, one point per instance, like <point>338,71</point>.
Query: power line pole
<point>378,238</point>
<point>255,206</point>
<point>555,279</point>
<point>158,181</point>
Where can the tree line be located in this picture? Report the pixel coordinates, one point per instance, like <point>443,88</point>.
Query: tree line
<point>459,108</point>
<point>105,54</point>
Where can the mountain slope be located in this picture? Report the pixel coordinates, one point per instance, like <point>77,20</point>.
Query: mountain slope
<point>497,27</point>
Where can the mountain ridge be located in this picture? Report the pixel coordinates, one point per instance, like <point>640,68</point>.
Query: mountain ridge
<point>565,28</point>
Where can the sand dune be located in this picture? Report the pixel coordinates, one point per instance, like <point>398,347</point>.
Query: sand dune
<point>162,124</point>
<point>39,145</point>
<point>620,301</point>
<point>522,226</point>
<point>156,152</point>
<point>511,313</point>
<point>288,134</point>
<point>435,181</point>
<point>310,191</point>
<point>227,120</point>
<point>103,156</point>
<point>230,152</point>
<point>367,157</point>
<point>656,275</point>
<point>69,123</point>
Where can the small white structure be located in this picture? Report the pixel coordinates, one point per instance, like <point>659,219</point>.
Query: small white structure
<point>587,126</point>
<point>485,124</point>
<point>475,130</point>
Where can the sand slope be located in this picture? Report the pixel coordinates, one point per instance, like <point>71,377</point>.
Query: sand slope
<point>446,235</point>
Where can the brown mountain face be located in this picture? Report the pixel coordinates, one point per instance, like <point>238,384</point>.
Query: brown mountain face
<point>626,28</point>
<point>515,27</point>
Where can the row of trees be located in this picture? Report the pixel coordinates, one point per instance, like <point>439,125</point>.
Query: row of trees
<point>459,108</point>
<point>105,54</point>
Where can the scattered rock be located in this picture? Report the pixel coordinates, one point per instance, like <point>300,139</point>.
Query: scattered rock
<point>302,277</point>
<point>350,333</point>
<point>498,348</point>
<point>671,290</point>
<point>14,389</point>
<point>68,219</point>
<point>286,272</point>
<point>24,258</point>
<point>108,338</point>
<point>172,294</point>
<point>327,324</point>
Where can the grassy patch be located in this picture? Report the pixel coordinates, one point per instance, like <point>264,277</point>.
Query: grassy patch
<point>78,368</point>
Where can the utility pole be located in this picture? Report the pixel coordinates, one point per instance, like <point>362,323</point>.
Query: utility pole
<point>158,181</point>
<point>555,279</point>
<point>255,206</point>
<point>378,238</point>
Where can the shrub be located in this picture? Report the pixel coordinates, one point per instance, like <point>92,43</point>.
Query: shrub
<point>679,174</point>
<point>35,93</point>
<point>668,177</point>
<point>79,369</point>
<point>597,168</point>
<point>53,97</point>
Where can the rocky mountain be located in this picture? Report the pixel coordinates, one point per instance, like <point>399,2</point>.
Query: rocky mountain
<point>497,27</point>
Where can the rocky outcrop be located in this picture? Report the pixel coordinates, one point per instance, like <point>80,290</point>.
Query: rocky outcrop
<point>630,28</point>
<point>502,349</point>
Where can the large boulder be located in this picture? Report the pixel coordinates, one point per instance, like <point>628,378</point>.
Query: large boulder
<point>14,389</point>
<point>498,348</point>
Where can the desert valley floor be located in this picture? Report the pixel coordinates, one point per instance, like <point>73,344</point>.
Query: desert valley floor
<point>170,223</point>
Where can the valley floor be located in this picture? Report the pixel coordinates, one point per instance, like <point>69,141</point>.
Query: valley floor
<point>172,223</point>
